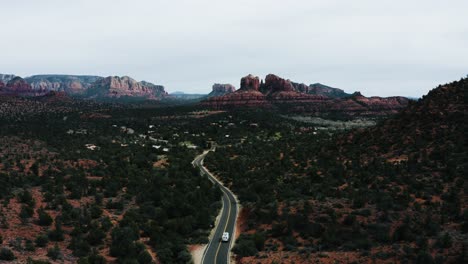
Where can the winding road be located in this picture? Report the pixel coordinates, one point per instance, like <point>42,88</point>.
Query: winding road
<point>218,252</point>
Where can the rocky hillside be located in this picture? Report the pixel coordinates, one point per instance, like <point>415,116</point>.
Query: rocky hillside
<point>221,89</point>
<point>17,85</point>
<point>70,84</point>
<point>320,89</point>
<point>283,94</point>
<point>434,125</point>
<point>392,193</point>
<point>121,87</point>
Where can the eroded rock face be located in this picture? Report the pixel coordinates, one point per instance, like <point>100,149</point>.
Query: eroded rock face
<point>250,82</point>
<point>320,89</point>
<point>240,98</point>
<point>221,89</point>
<point>301,87</point>
<point>247,96</point>
<point>70,84</point>
<point>117,87</point>
<point>18,86</point>
<point>280,93</point>
<point>275,84</point>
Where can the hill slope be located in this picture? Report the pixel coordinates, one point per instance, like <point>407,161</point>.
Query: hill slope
<point>393,193</point>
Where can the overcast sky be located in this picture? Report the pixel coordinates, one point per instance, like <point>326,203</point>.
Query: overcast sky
<point>397,47</point>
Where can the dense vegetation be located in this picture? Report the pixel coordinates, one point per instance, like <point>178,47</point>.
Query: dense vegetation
<point>125,199</point>
<point>95,183</point>
<point>401,184</point>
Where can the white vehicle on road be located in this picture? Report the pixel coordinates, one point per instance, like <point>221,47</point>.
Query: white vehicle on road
<point>225,237</point>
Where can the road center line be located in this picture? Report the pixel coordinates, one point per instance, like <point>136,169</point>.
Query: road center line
<point>227,220</point>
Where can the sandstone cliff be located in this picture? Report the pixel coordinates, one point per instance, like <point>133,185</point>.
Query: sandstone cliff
<point>121,87</point>
<point>70,84</point>
<point>248,95</point>
<point>283,94</point>
<point>18,86</point>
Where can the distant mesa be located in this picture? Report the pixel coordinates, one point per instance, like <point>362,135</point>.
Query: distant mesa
<point>320,89</point>
<point>82,86</point>
<point>280,93</point>
<point>178,95</point>
<point>70,84</point>
<point>17,86</point>
<point>221,89</point>
<point>118,87</point>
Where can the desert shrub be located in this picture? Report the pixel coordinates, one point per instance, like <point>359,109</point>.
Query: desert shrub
<point>57,233</point>
<point>444,241</point>
<point>26,212</point>
<point>93,258</point>
<point>44,218</point>
<point>245,246</point>
<point>54,253</point>
<point>144,257</point>
<point>29,245</point>
<point>42,240</point>
<point>6,254</point>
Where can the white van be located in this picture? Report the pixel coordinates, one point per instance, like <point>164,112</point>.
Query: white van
<point>225,237</point>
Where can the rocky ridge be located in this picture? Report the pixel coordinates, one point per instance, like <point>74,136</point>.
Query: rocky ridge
<point>70,84</point>
<point>283,94</point>
<point>118,87</point>
<point>83,86</point>
<point>18,85</point>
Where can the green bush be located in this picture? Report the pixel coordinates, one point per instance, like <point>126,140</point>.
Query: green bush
<point>54,253</point>
<point>6,254</point>
<point>245,247</point>
<point>42,240</point>
<point>44,218</point>
<point>29,245</point>
<point>144,257</point>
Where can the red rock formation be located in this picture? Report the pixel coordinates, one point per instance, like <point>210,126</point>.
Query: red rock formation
<point>117,87</point>
<point>71,84</point>
<point>301,87</point>
<point>250,82</point>
<point>275,84</point>
<point>18,85</point>
<point>247,96</point>
<point>283,94</point>
<point>240,98</point>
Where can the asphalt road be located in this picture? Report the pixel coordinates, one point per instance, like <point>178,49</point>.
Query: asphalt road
<point>218,252</point>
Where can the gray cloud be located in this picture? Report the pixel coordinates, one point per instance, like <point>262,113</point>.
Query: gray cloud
<point>378,47</point>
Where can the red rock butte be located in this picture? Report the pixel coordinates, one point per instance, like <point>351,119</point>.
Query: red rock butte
<point>280,93</point>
